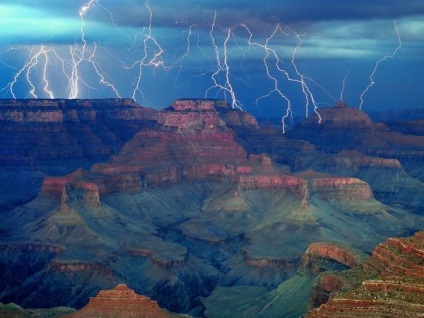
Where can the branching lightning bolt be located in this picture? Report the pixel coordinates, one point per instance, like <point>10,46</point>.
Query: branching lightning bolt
<point>276,89</point>
<point>43,57</point>
<point>371,78</point>
<point>83,54</point>
<point>271,52</point>
<point>80,64</point>
<point>222,66</point>
<point>305,89</point>
<point>154,61</point>
<point>32,63</point>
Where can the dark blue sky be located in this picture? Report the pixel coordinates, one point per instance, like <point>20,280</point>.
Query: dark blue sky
<point>157,51</point>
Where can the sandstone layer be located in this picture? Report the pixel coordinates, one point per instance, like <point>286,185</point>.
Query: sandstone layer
<point>122,302</point>
<point>394,285</point>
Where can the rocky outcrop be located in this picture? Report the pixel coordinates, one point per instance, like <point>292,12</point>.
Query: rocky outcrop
<point>394,285</point>
<point>273,181</point>
<point>323,259</point>
<point>339,117</point>
<point>341,188</point>
<point>399,257</point>
<point>189,104</point>
<point>89,187</point>
<point>338,253</point>
<point>345,128</point>
<point>188,145</point>
<point>324,288</point>
<point>122,302</point>
<point>189,119</point>
<point>57,137</point>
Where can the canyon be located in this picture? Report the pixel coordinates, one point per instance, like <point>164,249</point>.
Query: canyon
<point>198,206</point>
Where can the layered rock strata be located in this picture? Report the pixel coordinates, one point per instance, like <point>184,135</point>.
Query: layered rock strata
<point>122,302</point>
<point>394,285</point>
<point>56,137</point>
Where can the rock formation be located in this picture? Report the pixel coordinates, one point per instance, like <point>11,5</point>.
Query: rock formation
<point>194,203</point>
<point>59,136</point>
<point>122,302</point>
<point>340,254</point>
<point>346,128</point>
<point>393,284</point>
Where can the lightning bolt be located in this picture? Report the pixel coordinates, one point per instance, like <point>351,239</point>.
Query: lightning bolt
<point>84,54</point>
<point>271,52</point>
<point>96,68</point>
<point>84,57</point>
<point>154,61</point>
<point>344,84</point>
<point>222,66</point>
<point>305,89</point>
<point>44,57</point>
<point>180,60</point>
<point>301,79</point>
<point>31,64</point>
<point>386,57</point>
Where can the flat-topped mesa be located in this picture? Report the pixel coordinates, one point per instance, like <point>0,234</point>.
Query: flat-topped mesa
<point>61,102</point>
<point>194,113</point>
<point>62,110</point>
<point>349,189</point>
<point>70,187</point>
<point>187,104</point>
<point>339,116</point>
<point>123,302</point>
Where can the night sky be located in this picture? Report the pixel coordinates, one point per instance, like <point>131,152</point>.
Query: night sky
<point>263,56</point>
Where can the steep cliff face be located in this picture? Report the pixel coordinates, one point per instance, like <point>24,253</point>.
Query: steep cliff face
<point>55,137</point>
<point>54,131</point>
<point>393,285</point>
